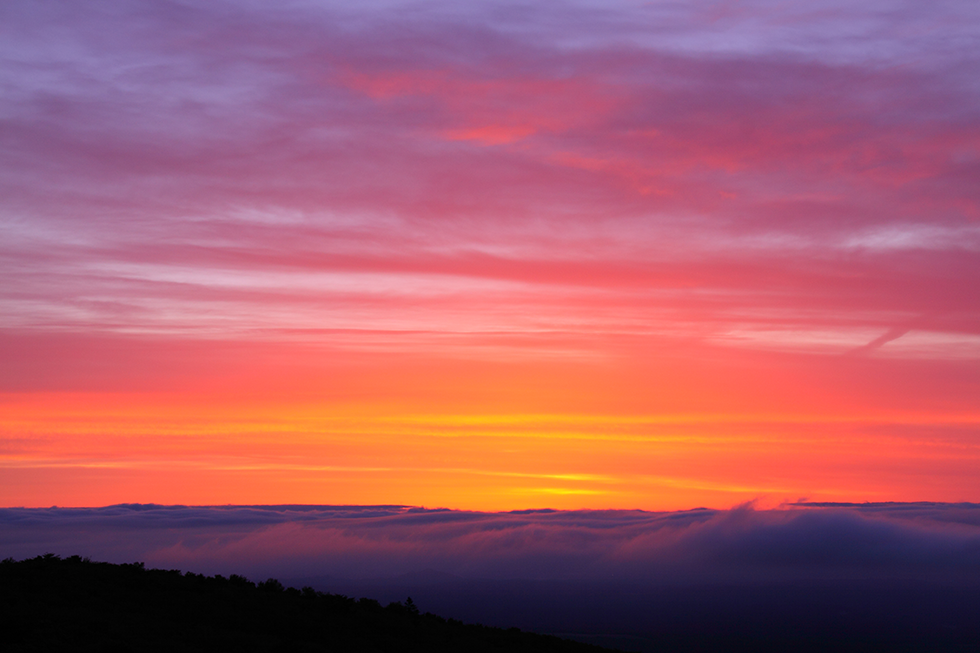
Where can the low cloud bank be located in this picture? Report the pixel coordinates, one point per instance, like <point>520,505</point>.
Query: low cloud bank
<point>803,541</point>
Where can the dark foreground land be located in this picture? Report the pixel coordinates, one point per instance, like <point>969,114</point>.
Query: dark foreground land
<point>933,613</point>
<point>51,604</point>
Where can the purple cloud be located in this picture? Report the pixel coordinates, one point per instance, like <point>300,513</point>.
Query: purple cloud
<point>807,541</point>
<point>158,158</point>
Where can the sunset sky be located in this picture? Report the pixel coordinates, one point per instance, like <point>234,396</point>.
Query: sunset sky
<point>489,255</point>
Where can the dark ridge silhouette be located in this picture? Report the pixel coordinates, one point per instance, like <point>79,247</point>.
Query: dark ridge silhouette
<point>52,604</point>
<point>48,604</point>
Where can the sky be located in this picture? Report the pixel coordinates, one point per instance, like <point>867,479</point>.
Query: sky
<point>489,256</point>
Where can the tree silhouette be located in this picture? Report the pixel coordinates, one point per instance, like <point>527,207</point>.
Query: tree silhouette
<point>48,603</point>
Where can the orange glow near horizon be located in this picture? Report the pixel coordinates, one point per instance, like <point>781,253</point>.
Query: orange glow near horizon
<point>519,435</point>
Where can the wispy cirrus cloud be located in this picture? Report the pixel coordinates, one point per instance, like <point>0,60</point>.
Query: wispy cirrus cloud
<point>746,211</point>
<point>505,141</point>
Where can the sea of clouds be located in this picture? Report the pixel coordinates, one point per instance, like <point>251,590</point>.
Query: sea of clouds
<point>371,542</point>
<point>802,577</point>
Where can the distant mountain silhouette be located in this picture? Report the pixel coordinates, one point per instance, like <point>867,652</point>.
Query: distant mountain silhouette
<point>48,603</point>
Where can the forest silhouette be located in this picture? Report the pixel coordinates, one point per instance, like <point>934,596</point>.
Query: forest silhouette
<point>49,603</point>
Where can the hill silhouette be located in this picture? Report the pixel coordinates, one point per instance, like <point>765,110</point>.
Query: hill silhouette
<point>49,603</point>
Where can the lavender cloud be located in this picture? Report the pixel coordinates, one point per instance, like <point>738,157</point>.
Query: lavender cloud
<point>188,190</point>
